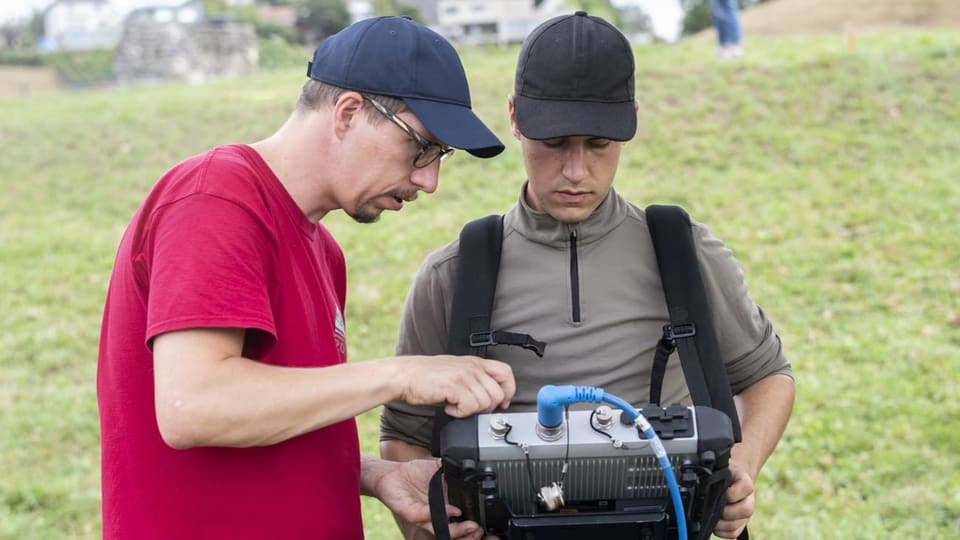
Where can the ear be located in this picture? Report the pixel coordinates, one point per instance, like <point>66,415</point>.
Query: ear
<point>513,119</point>
<point>346,112</point>
<point>636,106</point>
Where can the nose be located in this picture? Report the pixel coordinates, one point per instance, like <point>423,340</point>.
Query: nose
<point>575,161</point>
<point>427,178</point>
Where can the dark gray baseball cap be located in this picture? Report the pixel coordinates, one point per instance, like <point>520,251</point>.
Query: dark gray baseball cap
<point>575,77</point>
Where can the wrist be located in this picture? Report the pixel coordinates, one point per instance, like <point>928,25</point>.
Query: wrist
<point>372,471</point>
<point>745,460</point>
<point>391,374</point>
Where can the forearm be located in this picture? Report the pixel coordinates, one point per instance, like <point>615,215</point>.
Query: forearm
<point>209,395</point>
<point>240,402</point>
<point>764,409</point>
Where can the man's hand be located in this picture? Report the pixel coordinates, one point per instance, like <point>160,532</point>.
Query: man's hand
<point>402,487</point>
<point>464,385</point>
<point>740,504</point>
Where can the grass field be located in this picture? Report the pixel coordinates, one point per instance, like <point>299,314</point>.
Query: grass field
<point>831,173</point>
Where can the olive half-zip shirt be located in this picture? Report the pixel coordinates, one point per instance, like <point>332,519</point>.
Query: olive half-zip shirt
<point>592,292</point>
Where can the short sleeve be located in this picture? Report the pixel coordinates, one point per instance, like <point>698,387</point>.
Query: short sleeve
<point>423,323</point>
<point>748,343</point>
<point>207,263</point>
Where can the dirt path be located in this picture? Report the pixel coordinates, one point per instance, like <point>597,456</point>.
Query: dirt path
<point>28,81</point>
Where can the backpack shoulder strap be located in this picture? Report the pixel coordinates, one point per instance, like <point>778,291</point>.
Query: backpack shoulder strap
<point>691,320</point>
<point>475,284</point>
<point>478,262</point>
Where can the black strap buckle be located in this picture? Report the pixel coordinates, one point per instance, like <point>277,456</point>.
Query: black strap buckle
<point>527,342</point>
<point>500,337</point>
<point>678,331</point>
<point>482,339</point>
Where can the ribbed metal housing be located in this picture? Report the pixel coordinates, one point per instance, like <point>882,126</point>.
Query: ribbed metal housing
<point>587,479</point>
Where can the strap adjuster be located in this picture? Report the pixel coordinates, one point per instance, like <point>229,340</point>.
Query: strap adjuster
<point>678,331</point>
<point>482,339</point>
<point>487,338</point>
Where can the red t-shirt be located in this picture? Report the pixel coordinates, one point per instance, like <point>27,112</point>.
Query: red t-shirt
<point>220,243</point>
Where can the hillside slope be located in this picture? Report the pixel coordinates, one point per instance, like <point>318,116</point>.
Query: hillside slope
<point>830,173</point>
<point>779,17</point>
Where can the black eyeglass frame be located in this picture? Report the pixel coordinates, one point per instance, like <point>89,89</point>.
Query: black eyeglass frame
<point>426,146</point>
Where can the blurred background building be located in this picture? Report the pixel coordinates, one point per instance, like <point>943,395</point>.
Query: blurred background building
<point>89,42</point>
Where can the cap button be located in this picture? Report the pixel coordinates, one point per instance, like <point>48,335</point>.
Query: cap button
<point>580,13</point>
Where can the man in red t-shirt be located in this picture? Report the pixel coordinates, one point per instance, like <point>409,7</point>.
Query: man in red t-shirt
<point>226,400</point>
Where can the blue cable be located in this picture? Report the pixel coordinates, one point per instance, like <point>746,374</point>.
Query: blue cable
<point>551,400</point>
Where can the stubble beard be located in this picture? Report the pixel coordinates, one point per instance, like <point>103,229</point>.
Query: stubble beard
<point>367,212</point>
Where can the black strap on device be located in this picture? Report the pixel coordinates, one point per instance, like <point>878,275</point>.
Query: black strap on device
<point>438,507</point>
<point>691,328</point>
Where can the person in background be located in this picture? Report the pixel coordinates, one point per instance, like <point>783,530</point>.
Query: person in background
<point>726,20</point>
<point>578,270</point>
<point>226,401</point>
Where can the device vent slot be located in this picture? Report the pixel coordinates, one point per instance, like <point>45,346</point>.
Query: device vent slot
<point>587,479</point>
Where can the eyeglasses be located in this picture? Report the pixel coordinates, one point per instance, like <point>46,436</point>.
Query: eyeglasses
<point>429,151</point>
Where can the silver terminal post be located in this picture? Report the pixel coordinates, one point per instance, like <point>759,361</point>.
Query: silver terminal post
<point>498,426</point>
<point>603,417</point>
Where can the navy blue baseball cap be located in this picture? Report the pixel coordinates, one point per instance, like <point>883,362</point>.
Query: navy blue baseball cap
<point>397,57</point>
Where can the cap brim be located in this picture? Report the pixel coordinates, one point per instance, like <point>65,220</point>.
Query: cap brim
<point>456,126</point>
<point>548,119</point>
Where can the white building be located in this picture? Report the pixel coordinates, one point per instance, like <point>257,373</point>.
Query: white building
<point>81,24</point>
<point>98,24</point>
<point>493,21</point>
<point>359,10</point>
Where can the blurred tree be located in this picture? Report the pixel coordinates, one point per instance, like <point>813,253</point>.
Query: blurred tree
<point>634,21</point>
<point>696,16</point>
<point>37,23</point>
<point>600,8</point>
<point>321,18</point>
<point>395,7</point>
<point>217,9</point>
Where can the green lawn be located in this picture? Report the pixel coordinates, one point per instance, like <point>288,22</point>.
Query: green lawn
<point>831,173</point>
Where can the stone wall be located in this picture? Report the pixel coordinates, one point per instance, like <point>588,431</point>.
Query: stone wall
<point>195,52</point>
